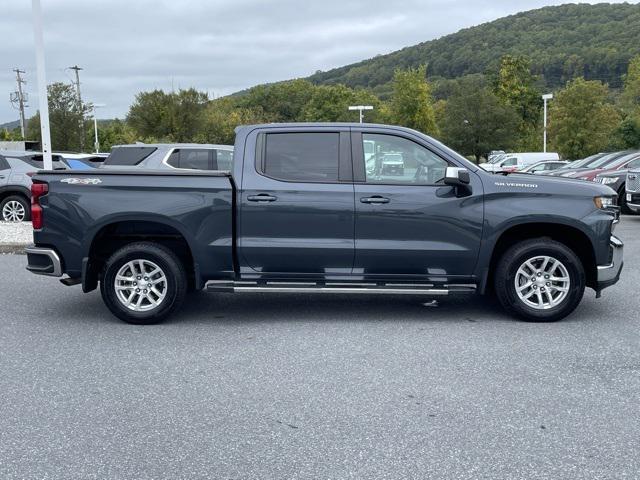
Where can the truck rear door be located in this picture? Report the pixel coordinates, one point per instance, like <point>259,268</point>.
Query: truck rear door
<point>407,221</point>
<point>297,202</point>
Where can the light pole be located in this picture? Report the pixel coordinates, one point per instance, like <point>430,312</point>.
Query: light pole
<point>42,85</point>
<point>361,109</point>
<point>545,97</point>
<point>95,125</point>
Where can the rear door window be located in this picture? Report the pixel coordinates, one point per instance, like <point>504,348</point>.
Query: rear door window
<point>302,157</point>
<point>4,165</point>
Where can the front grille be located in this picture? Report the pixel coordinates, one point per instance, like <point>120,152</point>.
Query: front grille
<point>633,182</point>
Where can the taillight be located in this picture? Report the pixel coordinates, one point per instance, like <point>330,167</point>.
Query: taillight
<point>37,190</point>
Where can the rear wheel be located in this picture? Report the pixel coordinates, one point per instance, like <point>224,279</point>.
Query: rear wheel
<point>15,208</point>
<point>540,280</point>
<point>143,283</point>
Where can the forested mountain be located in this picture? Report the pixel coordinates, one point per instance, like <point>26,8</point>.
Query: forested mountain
<point>563,42</point>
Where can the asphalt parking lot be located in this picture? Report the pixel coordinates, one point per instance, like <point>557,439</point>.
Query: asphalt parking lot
<point>302,386</point>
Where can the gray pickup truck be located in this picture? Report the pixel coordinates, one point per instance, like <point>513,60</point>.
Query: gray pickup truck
<point>301,212</point>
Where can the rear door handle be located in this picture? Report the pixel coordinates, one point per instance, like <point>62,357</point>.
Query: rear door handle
<point>262,197</point>
<point>374,199</point>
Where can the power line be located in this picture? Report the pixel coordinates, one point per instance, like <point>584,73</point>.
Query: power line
<point>80,109</point>
<point>19,98</point>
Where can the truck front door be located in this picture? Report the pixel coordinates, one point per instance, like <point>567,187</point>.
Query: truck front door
<point>407,221</point>
<point>297,202</point>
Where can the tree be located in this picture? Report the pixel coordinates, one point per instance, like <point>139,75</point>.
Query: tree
<point>279,102</point>
<point>581,122</point>
<point>515,87</point>
<point>174,116</point>
<point>630,98</point>
<point>65,118</point>
<point>330,103</point>
<point>113,132</point>
<point>476,122</point>
<point>222,116</point>
<point>411,102</point>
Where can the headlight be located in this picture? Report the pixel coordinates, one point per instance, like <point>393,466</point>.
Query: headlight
<point>604,202</point>
<point>606,180</point>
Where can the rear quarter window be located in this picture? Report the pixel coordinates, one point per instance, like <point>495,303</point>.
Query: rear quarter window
<point>128,156</point>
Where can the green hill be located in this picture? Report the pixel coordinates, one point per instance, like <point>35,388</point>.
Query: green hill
<point>594,41</point>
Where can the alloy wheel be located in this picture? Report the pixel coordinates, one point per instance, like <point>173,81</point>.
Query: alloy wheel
<point>13,211</point>
<point>542,282</point>
<point>140,285</point>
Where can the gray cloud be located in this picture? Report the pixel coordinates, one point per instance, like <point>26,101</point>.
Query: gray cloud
<point>126,46</point>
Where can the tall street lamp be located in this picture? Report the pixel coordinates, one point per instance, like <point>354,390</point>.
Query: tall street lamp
<point>545,97</point>
<point>42,85</point>
<point>361,109</point>
<point>95,125</point>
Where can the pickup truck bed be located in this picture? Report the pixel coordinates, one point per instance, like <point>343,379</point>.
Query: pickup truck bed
<point>303,211</point>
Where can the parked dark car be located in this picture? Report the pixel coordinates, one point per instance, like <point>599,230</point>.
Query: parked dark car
<point>584,162</point>
<point>617,178</point>
<point>300,212</point>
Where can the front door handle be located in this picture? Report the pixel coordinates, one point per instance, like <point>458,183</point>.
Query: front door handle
<point>374,199</point>
<point>262,197</point>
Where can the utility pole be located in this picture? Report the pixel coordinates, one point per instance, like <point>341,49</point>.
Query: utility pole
<point>20,99</point>
<point>80,109</point>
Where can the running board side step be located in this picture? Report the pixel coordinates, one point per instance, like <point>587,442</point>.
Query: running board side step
<point>337,287</point>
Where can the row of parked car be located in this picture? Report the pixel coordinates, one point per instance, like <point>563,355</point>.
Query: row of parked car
<point>16,167</point>
<point>607,168</point>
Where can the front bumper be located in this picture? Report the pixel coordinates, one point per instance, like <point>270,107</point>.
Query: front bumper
<point>44,261</point>
<point>610,274</point>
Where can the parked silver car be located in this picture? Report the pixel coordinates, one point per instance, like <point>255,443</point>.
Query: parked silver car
<point>15,183</point>
<point>183,156</point>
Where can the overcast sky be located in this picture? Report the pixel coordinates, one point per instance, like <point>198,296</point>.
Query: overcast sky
<point>219,46</point>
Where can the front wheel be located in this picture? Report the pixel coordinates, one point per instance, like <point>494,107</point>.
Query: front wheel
<point>540,280</point>
<point>143,283</point>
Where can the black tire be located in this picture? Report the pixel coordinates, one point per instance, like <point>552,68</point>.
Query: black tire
<point>171,267</point>
<point>22,201</point>
<point>622,202</point>
<point>517,255</point>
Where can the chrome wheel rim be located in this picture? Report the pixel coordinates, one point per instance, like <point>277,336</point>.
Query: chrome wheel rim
<point>13,211</point>
<point>140,285</point>
<point>542,282</point>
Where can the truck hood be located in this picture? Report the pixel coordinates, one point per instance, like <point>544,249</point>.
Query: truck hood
<point>551,185</point>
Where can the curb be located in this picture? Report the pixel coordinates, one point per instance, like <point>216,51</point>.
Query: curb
<point>13,248</point>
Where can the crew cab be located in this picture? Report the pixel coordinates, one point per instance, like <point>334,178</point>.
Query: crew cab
<point>301,212</point>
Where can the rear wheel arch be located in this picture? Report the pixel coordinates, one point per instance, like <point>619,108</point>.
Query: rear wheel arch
<point>114,235</point>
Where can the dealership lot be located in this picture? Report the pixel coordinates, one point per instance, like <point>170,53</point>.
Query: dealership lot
<point>300,386</point>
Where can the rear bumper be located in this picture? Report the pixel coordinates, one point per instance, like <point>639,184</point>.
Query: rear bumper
<point>610,274</point>
<point>44,261</point>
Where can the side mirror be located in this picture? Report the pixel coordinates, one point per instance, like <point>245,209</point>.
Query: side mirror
<point>457,177</point>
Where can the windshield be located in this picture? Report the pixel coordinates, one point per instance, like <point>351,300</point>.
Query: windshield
<point>587,162</point>
<point>622,160</point>
<point>606,160</point>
